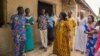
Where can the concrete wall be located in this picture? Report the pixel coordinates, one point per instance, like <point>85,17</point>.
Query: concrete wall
<point>6,40</point>
<point>32,4</point>
<point>70,7</point>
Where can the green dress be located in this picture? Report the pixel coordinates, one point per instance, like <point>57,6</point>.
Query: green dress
<point>29,45</point>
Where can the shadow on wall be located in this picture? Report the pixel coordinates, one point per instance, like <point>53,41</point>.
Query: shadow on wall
<point>6,42</point>
<point>36,34</point>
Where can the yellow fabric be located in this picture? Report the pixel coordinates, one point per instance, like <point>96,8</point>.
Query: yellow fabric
<point>72,32</point>
<point>61,43</point>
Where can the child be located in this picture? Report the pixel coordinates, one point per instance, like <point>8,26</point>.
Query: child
<point>29,44</point>
<point>90,36</point>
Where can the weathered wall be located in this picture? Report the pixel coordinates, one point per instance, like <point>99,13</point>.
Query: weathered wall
<point>6,43</point>
<point>70,7</point>
<point>13,4</point>
<point>81,7</point>
<point>32,4</point>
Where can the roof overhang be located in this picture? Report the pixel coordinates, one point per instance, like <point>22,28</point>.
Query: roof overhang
<point>84,3</point>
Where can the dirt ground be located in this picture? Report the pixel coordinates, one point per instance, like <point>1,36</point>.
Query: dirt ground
<point>38,52</point>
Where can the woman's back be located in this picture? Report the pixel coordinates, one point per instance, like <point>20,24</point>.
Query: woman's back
<point>61,44</point>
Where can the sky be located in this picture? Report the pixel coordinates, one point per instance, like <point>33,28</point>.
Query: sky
<point>94,4</point>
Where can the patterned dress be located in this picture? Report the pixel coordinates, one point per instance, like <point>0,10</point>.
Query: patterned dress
<point>97,47</point>
<point>80,36</point>
<point>61,43</point>
<point>91,40</point>
<point>29,44</point>
<point>51,25</point>
<point>19,35</point>
<point>72,32</point>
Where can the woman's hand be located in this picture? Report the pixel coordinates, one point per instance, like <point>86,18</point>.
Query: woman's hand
<point>86,32</point>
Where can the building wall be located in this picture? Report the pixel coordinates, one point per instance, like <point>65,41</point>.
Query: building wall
<point>86,11</point>
<point>6,43</point>
<point>70,7</point>
<point>6,40</point>
<point>12,6</point>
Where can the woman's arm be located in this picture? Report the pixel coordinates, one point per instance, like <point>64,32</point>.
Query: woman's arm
<point>86,32</point>
<point>32,21</point>
<point>94,32</point>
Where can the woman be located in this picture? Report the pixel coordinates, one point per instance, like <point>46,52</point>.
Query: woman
<point>91,38</point>
<point>18,28</point>
<point>80,36</point>
<point>97,46</point>
<point>51,24</point>
<point>29,45</point>
<point>72,32</point>
<point>61,43</point>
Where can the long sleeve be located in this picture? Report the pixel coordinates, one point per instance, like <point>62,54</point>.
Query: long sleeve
<point>68,26</point>
<point>74,22</point>
<point>86,28</point>
<point>32,21</point>
<point>12,22</point>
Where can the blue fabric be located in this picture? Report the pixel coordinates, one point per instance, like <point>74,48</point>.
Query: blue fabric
<point>90,42</point>
<point>13,22</point>
<point>86,28</point>
<point>19,34</point>
<point>51,22</point>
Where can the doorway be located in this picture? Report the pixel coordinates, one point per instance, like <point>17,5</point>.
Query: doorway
<point>48,8</point>
<point>1,13</point>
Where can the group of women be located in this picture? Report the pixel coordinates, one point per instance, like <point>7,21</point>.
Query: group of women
<point>87,34</point>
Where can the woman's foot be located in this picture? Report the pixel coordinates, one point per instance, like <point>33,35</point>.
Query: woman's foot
<point>45,49</point>
<point>77,50</point>
<point>41,48</point>
<point>50,44</point>
<point>82,52</point>
<point>71,49</point>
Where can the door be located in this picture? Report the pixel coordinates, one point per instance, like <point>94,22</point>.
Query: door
<point>46,6</point>
<point>1,13</point>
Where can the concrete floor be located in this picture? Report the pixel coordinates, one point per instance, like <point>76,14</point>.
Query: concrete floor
<point>38,52</point>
